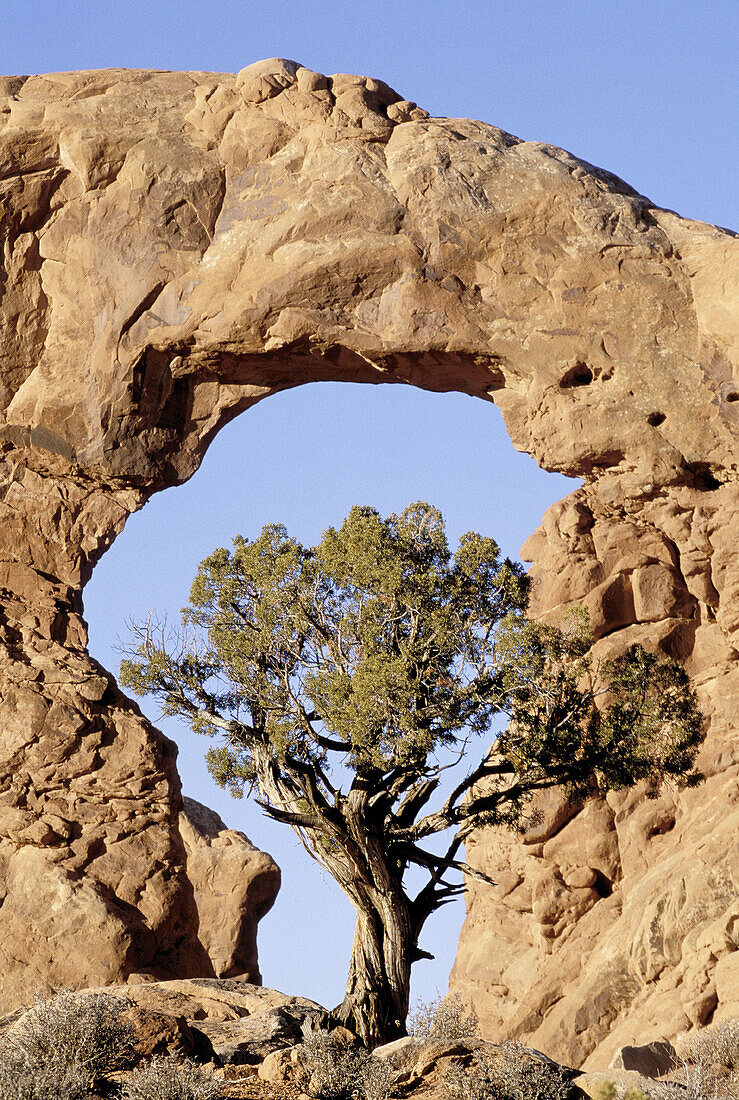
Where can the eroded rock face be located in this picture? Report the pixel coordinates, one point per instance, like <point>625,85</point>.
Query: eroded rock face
<point>619,924</point>
<point>235,885</point>
<point>178,246</point>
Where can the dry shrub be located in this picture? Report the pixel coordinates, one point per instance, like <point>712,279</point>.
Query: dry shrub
<point>63,1047</point>
<point>333,1067</point>
<point>376,1079</point>
<point>710,1062</point>
<point>446,1018</point>
<point>508,1073</point>
<point>339,1071</point>
<point>19,1080</point>
<point>700,1082</point>
<point>165,1079</point>
<point>703,1082</point>
<point>717,1047</point>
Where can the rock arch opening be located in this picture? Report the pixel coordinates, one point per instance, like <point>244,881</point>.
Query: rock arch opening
<point>303,457</point>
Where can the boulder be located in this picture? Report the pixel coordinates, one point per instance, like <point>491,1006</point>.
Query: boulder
<point>226,1021</point>
<point>160,1033</point>
<point>655,1059</point>
<point>238,1022</point>
<point>220,999</point>
<point>282,1066</point>
<point>421,1066</point>
<point>249,1041</point>
<point>412,1058</point>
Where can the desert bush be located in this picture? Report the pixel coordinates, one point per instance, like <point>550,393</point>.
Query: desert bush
<point>710,1063</point>
<point>508,1073</point>
<point>334,1067</point>
<point>443,1018</point>
<point>339,1071</point>
<point>165,1079</point>
<point>700,1082</point>
<point>62,1047</point>
<point>20,1080</point>
<point>717,1047</point>
<point>375,1079</point>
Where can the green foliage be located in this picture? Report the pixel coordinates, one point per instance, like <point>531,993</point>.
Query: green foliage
<point>376,633</point>
<point>645,726</point>
<point>378,643</point>
<point>380,646</point>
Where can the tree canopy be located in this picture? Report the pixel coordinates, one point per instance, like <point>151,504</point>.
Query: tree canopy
<point>346,682</point>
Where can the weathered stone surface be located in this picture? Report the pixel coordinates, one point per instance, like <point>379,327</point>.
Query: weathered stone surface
<point>162,1033</point>
<point>414,1057</point>
<point>227,1021</point>
<point>248,1042</point>
<point>239,1022</point>
<point>727,987</point>
<point>234,885</point>
<point>282,1066</point>
<point>177,246</point>
<point>593,1083</point>
<point>619,924</point>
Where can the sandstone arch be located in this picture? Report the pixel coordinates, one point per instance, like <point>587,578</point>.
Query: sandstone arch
<point>178,246</point>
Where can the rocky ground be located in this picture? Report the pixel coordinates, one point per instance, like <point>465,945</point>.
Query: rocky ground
<point>256,1042</point>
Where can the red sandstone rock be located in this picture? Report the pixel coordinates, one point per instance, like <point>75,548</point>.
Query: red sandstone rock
<point>177,246</point>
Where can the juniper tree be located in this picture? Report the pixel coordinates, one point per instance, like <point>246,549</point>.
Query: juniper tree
<point>345,684</point>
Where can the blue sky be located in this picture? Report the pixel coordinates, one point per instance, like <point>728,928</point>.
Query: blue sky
<point>645,88</point>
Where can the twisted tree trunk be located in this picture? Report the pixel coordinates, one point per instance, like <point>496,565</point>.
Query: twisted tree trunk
<point>351,846</point>
<point>375,1004</point>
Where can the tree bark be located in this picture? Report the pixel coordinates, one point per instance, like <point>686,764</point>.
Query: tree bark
<point>375,1005</point>
<point>352,849</point>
